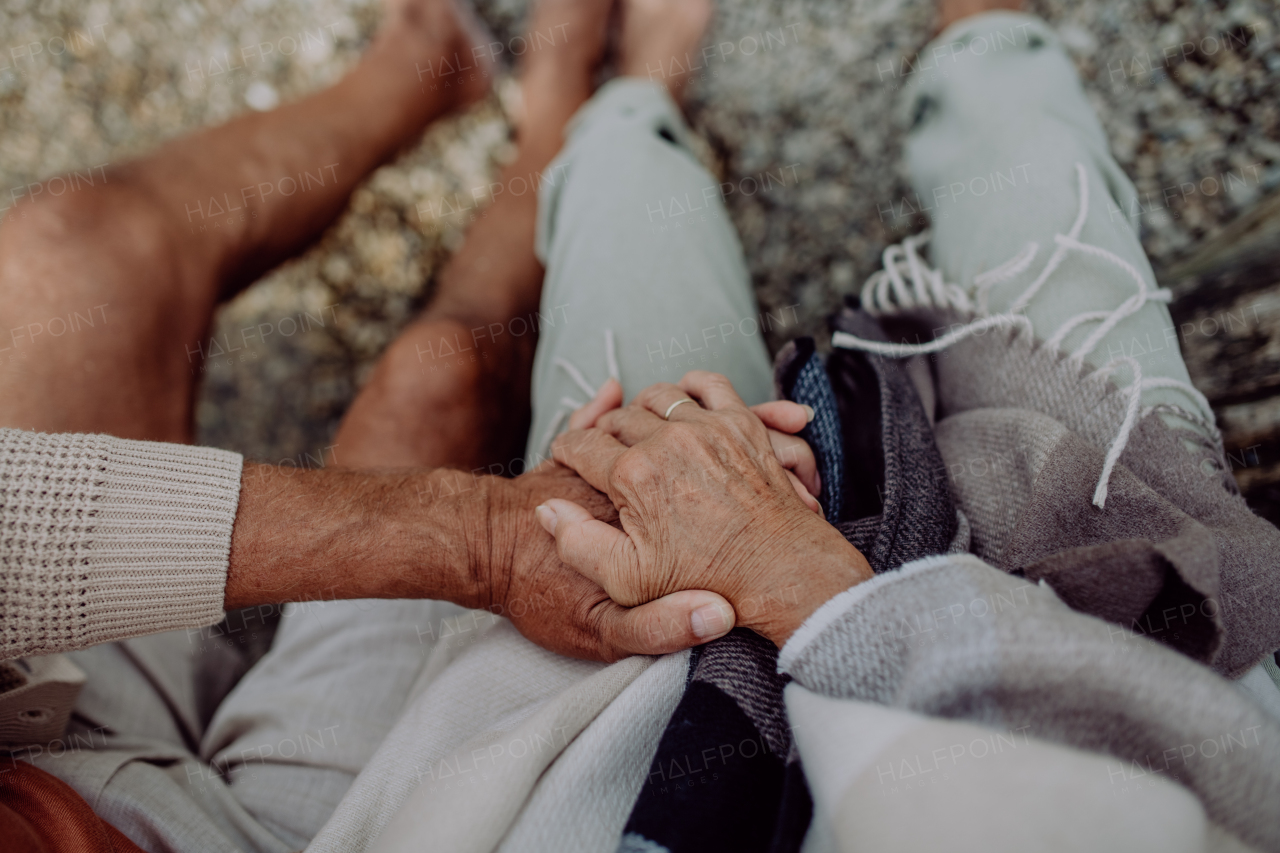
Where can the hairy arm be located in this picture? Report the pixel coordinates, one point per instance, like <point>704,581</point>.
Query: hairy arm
<point>445,534</point>
<point>336,533</point>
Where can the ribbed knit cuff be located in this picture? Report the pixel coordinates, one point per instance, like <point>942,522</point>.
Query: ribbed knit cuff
<point>103,538</point>
<point>161,538</point>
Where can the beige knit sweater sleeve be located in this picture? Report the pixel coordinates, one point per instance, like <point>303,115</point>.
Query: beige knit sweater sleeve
<point>103,539</point>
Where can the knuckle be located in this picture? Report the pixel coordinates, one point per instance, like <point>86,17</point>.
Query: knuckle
<point>582,442</point>
<point>592,435</point>
<point>746,423</point>
<point>707,378</point>
<point>684,433</point>
<point>635,470</point>
<point>738,426</point>
<point>567,442</point>
<point>610,422</point>
<point>654,392</point>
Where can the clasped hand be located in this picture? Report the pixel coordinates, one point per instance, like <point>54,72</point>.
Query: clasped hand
<point>705,503</point>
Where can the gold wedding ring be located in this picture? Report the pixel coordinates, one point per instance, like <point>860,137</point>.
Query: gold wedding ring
<point>667,415</point>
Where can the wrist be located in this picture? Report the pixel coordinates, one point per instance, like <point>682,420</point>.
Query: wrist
<point>489,524</point>
<point>433,539</point>
<point>812,565</point>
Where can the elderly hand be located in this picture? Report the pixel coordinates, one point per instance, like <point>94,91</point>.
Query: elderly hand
<point>451,535</point>
<point>704,504</point>
<point>783,419</point>
<point>563,610</point>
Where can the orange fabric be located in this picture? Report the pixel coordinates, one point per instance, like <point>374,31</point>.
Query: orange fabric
<point>40,813</point>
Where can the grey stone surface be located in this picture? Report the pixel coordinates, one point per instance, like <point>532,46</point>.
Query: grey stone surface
<point>804,96</point>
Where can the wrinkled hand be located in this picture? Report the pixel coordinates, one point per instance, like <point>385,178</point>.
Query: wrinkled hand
<point>704,504</point>
<point>782,418</point>
<point>559,608</point>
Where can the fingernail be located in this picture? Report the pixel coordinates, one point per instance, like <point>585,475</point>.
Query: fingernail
<point>547,518</point>
<point>709,622</point>
<point>808,412</point>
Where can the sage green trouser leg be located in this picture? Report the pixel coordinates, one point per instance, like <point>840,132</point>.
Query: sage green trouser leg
<point>998,123</point>
<point>636,240</point>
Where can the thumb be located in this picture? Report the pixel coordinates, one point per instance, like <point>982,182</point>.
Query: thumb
<point>598,551</point>
<point>669,624</point>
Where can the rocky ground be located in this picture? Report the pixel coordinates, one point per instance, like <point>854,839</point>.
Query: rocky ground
<point>1187,93</point>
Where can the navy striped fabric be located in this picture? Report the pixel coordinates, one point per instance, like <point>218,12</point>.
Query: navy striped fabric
<point>813,388</point>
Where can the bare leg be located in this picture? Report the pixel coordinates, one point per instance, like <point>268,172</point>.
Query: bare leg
<point>126,254</point>
<point>657,33</point>
<point>453,389</point>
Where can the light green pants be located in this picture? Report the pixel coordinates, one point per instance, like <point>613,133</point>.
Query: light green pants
<point>997,125</point>
<point>637,244</point>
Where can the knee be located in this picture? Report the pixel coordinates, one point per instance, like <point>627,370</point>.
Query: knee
<point>115,221</point>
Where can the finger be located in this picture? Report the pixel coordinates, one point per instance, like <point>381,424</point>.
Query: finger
<point>784,415</point>
<point>796,456</point>
<point>607,398</point>
<point>591,453</point>
<point>598,551</point>
<point>660,397</point>
<point>630,425</point>
<point>717,396</point>
<point>668,624</point>
<point>809,500</point>
<point>714,390</point>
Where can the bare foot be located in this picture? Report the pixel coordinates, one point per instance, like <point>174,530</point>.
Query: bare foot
<point>660,40</point>
<point>566,44</point>
<point>449,47</point>
<point>950,11</point>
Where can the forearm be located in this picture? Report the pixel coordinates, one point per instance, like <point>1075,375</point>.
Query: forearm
<point>307,535</point>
